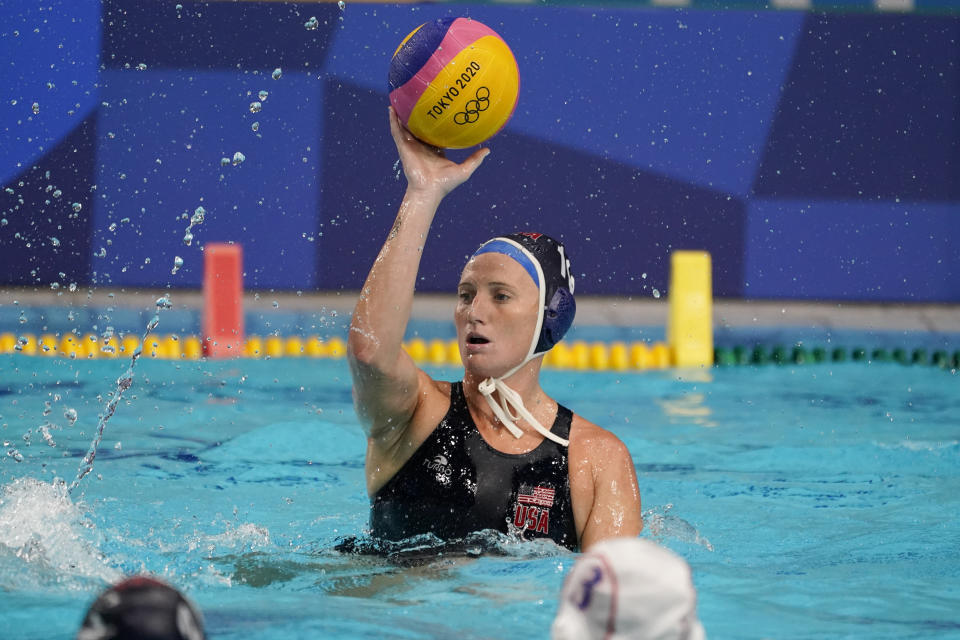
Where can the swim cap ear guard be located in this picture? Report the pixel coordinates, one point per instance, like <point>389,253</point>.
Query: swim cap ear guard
<point>545,260</point>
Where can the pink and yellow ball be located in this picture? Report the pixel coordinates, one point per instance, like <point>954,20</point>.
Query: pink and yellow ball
<point>454,82</point>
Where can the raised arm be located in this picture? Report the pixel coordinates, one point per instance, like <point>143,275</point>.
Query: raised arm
<point>385,380</point>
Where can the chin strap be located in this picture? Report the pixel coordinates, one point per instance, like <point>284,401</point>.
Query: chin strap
<point>510,398</point>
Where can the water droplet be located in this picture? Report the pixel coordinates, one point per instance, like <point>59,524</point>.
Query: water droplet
<point>277,73</point>
<point>177,263</point>
<point>35,107</point>
<point>4,222</point>
<point>57,193</point>
<point>179,7</point>
<point>71,416</point>
<point>141,67</point>
<point>77,207</point>
<point>163,302</point>
<point>656,293</point>
<point>311,24</point>
<point>238,158</point>
<point>118,446</point>
<point>198,214</point>
<point>224,162</point>
<point>55,242</point>
<point>187,238</point>
<point>263,96</point>
<point>255,126</point>
<point>342,5</point>
<point>255,107</point>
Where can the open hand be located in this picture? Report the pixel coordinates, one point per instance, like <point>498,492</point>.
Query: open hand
<point>426,167</point>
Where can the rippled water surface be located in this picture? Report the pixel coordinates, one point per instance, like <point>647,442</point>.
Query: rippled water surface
<point>813,501</point>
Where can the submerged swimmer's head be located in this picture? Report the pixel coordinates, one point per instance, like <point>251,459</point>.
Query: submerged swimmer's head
<point>548,264</point>
<point>144,608</point>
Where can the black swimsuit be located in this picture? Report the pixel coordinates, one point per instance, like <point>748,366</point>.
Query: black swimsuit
<point>456,484</point>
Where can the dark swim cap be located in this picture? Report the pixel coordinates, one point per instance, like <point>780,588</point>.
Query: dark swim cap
<point>549,265</point>
<point>141,608</point>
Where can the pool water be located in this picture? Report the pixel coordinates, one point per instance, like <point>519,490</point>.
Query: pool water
<point>811,501</point>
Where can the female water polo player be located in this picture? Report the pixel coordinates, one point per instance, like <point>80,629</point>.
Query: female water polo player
<point>492,451</point>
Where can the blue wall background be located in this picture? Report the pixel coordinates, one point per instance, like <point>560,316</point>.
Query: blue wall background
<point>815,155</point>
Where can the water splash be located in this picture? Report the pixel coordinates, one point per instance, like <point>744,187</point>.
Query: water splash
<point>123,383</point>
<point>196,219</point>
<point>662,525</point>
<point>46,539</point>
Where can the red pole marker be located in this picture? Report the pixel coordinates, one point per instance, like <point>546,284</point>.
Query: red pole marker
<point>223,301</point>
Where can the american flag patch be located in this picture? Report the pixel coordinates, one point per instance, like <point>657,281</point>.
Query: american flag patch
<point>541,496</point>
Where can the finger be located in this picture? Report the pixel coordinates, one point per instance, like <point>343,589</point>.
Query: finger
<point>475,160</point>
<point>395,128</point>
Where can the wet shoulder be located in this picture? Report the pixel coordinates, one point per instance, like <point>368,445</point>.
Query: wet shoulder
<point>592,444</point>
<point>432,405</point>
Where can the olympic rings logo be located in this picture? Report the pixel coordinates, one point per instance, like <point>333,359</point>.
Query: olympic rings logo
<point>471,111</point>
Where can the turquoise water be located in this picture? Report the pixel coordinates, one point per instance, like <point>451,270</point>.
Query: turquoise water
<point>811,501</point>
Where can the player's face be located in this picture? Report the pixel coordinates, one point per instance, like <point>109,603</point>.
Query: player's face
<point>496,314</point>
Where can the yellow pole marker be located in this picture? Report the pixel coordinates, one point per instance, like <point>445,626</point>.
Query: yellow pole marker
<point>690,324</point>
